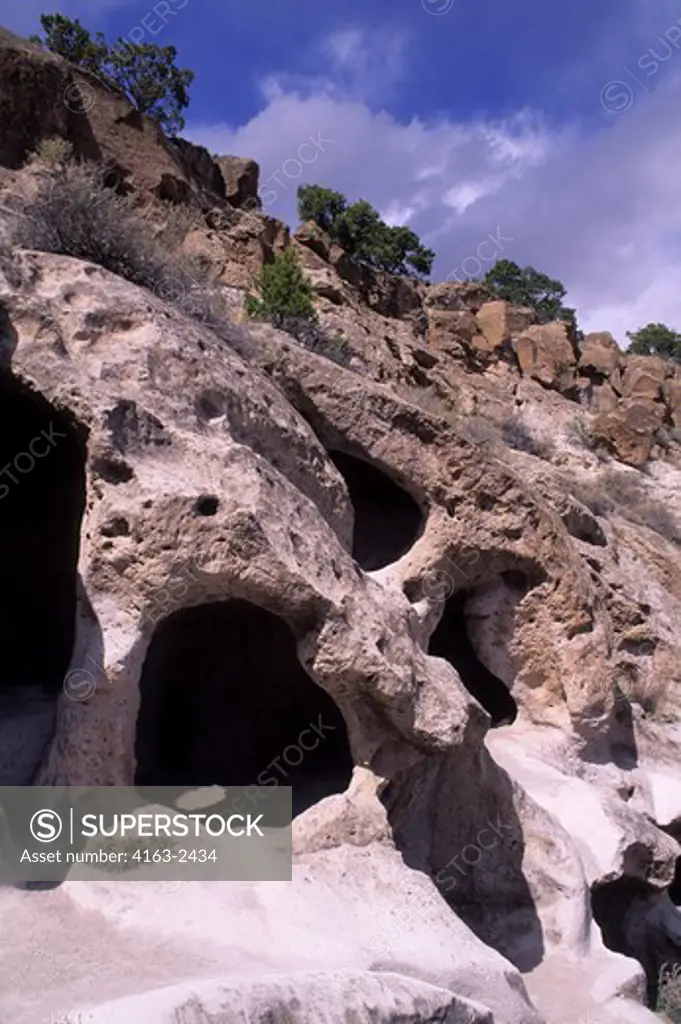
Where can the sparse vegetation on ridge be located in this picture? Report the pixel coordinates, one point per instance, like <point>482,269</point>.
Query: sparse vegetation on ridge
<point>360,231</point>
<point>145,72</point>
<point>655,340</point>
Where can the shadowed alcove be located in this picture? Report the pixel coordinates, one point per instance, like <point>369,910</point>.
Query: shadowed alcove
<point>223,696</point>
<point>387,519</point>
<point>42,499</point>
<point>622,910</point>
<point>452,642</point>
<point>675,887</point>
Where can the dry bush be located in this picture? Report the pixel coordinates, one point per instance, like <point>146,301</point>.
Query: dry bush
<point>478,430</point>
<point>666,437</point>
<point>312,336</point>
<point>517,434</point>
<point>430,401</point>
<point>648,689</point>
<point>669,993</point>
<point>53,152</point>
<point>625,494</point>
<point>74,214</point>
<point>582,435</point>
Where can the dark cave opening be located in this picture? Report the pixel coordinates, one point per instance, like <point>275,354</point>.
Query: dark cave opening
<point>615,905</point>
<point>387,519</point>
<point>42,500</point>
<point>452,642</point>
<point>225,701</point>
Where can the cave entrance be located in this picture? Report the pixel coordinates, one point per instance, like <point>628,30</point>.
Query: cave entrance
<point>225,701</point>
<point>625,912</point>
<point>387,519</point>
<point>451,641</point>
<point>42,500</point>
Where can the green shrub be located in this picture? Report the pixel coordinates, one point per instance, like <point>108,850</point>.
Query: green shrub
<point>360,231</point>
<point>529,287</point>
<point>655,339</point>
<point>284,294</point>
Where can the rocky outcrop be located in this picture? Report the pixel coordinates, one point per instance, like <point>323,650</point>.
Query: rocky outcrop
<point>500,321</point>
<point>235,245</point>
<point>545,352</point>
<point>413,534</point>
<point>629,429</point>
<point>241,178</point>
<point>43,97</point>
<point>599,356</point>
<point>160,456</point>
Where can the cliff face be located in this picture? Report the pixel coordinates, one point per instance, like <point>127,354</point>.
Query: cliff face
<point>435,543</point>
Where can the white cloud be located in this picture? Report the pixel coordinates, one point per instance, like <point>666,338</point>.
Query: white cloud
<point>598,208</point>
<point>357,64</point>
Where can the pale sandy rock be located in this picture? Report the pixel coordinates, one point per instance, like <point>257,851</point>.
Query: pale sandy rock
<point>175,411</point>
<point>458,861</point>
<point>306,999</point>
<point>333,930</point>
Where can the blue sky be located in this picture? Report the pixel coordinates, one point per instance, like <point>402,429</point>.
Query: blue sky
<point>545,133</point>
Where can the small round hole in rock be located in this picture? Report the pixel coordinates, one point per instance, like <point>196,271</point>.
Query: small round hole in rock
<point>207,505</point>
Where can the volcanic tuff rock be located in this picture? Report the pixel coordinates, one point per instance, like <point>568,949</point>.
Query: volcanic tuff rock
<point>233,506</point>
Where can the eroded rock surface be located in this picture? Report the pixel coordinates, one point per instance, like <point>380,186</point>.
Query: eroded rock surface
<point>443,534</point>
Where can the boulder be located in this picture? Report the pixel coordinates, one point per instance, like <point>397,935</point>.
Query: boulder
<point>452,331</point>
<point>237,252</point>
<point>241,176</point>
<point>310,236</point>
<point>599,354</point>
<point>499,321</point>
<point>643,377</point>
<point>545,352</point>
<point>457,295</point>
<point>629,430</point>
<point>604,398</point>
